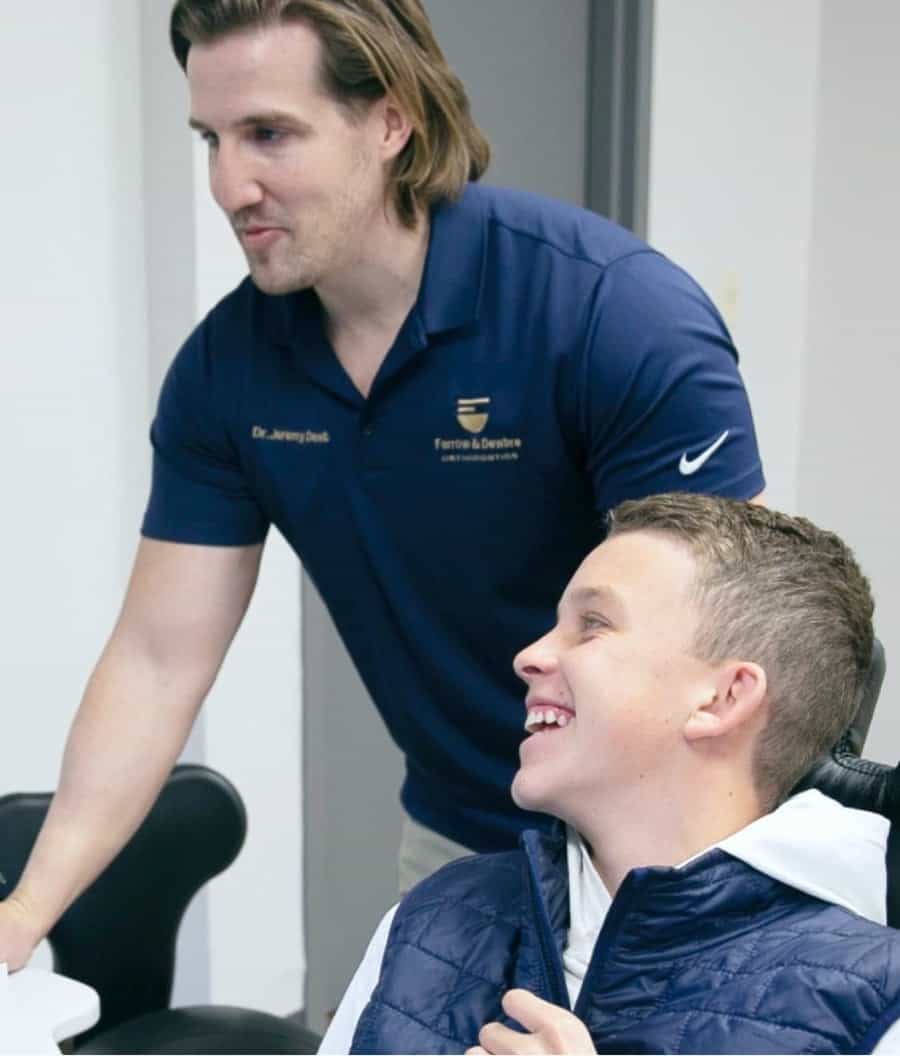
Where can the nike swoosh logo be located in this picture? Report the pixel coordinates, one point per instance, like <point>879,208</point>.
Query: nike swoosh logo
<point>688,466</point>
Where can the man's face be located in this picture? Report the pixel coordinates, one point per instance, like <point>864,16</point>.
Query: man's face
<point>299,179</point>
<point>617,675</point>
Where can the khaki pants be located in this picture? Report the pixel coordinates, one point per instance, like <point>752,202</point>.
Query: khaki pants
<point>423,852</point>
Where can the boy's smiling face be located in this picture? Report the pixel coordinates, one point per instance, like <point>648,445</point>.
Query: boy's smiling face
<point>614,680</point>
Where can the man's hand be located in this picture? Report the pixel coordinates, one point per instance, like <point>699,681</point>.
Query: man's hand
<point>551,1029</point>
<point>18,936</point>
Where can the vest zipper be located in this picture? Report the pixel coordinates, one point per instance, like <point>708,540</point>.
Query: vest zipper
<point>621,905</point>
<point>553,967</point>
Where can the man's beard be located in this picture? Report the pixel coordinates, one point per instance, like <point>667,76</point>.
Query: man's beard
<point>279,278</point>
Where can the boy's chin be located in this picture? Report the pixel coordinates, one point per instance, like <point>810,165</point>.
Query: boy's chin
<point>528,795</point>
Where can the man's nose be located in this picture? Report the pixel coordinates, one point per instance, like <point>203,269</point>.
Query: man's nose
<point>539,658</point>
<point>232,180</point>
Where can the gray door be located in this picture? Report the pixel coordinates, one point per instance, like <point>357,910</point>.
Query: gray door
<point>527,67</point>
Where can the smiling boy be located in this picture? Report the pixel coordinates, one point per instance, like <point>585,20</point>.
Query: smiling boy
<point>703,657</point>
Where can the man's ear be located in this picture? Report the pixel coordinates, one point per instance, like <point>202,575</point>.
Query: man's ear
<point>396,128</point>
<point>734,700</point>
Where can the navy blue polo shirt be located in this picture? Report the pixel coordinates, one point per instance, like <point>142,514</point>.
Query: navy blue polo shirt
<point>552,366</point>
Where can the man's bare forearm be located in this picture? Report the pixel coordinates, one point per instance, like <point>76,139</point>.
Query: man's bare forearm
<point>181,610</point>
<point>127,735</point>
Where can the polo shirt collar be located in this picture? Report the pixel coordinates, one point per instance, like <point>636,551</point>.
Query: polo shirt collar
<point>285,316</point>
<point>453,280</point>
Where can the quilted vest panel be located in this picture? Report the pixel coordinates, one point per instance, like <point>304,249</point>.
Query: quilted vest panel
<point>711,958</point>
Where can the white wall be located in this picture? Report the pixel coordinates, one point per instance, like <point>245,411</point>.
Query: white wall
<point>73,365</point>
<point>73,370</point>
<point>99,282</point>
<point>775,162</point>
<point>848,470</point>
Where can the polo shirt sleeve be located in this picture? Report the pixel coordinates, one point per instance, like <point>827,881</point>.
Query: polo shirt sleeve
<point>664,407</point>
<point>199,492</point>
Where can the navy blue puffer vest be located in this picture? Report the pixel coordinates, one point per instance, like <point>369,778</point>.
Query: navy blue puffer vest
<point>711,958</point>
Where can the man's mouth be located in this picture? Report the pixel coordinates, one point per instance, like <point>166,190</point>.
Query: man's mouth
<point>256,235</point>
<point>542,716</point>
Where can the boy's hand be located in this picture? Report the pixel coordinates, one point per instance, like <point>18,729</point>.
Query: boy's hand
<point>550,1029</point>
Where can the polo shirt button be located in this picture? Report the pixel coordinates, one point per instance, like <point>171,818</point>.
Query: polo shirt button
<point>369,430</point>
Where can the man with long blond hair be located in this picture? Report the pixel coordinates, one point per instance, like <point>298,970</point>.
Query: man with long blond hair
<point>433,389</point>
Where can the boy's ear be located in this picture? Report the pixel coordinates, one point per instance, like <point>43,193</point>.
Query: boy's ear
<point>734,700</point>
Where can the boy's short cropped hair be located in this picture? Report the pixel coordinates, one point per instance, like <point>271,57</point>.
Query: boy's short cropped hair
<point>780,592</point>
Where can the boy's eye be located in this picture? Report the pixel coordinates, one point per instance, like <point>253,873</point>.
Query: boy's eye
<point>593,621</point>
<point>266,135</point>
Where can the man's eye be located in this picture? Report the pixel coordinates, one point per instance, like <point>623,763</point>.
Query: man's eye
<point>267,135</point>
<point>210,139</point>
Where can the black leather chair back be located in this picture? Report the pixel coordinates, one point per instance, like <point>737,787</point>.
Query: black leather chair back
<point>119,936</point>
<point>862,783</point>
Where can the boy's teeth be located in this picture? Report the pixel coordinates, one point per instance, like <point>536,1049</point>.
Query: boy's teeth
<point>546,718</point>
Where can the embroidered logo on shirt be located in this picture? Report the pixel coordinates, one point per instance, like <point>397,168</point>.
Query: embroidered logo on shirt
<point>473,414</point>
<point>290,436</point>
<point>688,466</point>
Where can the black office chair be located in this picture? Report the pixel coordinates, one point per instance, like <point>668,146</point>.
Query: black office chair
<point>119,936</point>
<point>856,782</point>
